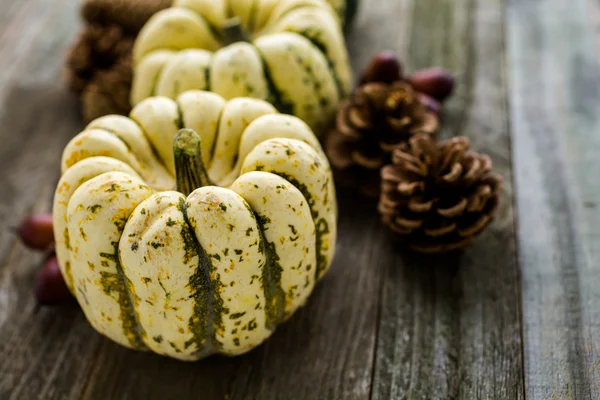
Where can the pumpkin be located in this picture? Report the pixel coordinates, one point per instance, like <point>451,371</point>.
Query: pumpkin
<point>288,52</point>
<point>159,257</point>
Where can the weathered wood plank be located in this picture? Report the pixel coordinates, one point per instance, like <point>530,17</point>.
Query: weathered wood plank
<point>450,325</point>
<point>555,107</point>
<point>49,353</point>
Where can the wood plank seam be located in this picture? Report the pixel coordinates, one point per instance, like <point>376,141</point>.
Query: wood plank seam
<point>515,221</point>
<point>377,332</point>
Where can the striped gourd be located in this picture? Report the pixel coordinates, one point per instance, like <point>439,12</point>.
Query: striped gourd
<point>162,259</point>
<point>290,53</point>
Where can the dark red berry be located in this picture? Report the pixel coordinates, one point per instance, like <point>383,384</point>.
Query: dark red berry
<point>36,231</point>
<point>435,82</point>
<point>50,286</point>
<point>385,67</point>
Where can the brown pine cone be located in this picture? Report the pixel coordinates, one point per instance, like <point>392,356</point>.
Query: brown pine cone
<point>131,15</point>
<point>97,48</point>
<point>370,124</point>
<point>438,196</point>
<point>98,66</point>
<point>108,92</point>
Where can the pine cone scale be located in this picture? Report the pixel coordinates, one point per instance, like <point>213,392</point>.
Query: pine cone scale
<point>420,206</point>
<point>359,118</point>
<point>430,123</point>
<point>478,226</point>
<point>441,231</point>
<point>455,173</point>
<point>454,211</point>
<point>373,162</point>
<point>399,124</point>
<point>342,125</point>
<point>479,200</point>
<point>387,147</point>
<point>451,150</point>
<point>409,188</point>
<point>408,224</point>
<point>399,229</point>
<point>339,150</point>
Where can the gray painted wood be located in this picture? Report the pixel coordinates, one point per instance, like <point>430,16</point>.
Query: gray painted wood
<point>555,107</point>
<point>384,324</point>
<point>44,354</point>
<point>450,325</point>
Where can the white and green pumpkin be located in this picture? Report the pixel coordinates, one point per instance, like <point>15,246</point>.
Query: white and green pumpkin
<point>159,257</point>
<point>290,53</point>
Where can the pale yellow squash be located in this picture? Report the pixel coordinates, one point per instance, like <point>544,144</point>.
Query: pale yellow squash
<point>290,53</point>
<point>195,226</point>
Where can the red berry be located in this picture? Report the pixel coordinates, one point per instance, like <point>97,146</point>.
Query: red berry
<point>385,67</point>
<point>435,82</point>
<point>36,231</point>
<point>50,286</point>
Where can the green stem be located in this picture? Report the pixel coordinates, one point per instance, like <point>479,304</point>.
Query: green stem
<point>233,31</point>
<point>189,167</point>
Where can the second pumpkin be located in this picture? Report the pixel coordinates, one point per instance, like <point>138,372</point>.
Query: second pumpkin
<point>288,52</point>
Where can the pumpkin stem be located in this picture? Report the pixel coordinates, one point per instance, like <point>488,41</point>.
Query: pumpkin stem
<point>190,172</point>
<point>233,31</point>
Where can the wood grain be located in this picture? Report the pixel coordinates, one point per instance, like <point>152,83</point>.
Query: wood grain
<point>384,324</point>
<point>555,104</point>
<point>44,354</point>
<point>450,325</point>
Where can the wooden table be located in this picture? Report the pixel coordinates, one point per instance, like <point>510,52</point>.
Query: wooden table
<point>515,316</point>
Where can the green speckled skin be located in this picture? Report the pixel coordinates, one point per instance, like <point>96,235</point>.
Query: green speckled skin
<point>295,56</point>
<point>214,269</point>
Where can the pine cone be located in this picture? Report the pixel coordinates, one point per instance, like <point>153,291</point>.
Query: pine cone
<point>99,69</point>
<point>98,66</point>
<point>108,92</point>
<point>97,48</point>
<point>370,124</point>
<point>438,196</point>
<point>131,15</point>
